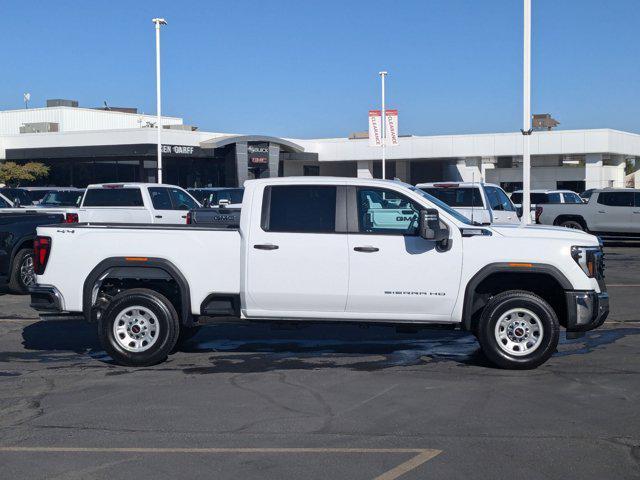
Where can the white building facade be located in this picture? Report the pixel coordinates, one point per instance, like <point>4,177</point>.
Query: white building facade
<point>87,145</point>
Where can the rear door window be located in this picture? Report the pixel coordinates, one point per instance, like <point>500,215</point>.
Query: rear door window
<point>113,197</point>
<point>498,200</point>
<point>304,209</point>
<point>160,198</point>
<point>457,197</point>
<point>616,199</point>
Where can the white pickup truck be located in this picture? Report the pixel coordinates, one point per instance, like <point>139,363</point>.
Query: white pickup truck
<point>325,249</point>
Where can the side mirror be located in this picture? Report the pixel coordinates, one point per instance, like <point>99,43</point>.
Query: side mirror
<point>16,202</point>
<point>519,212</point>
<point>430,228</point>
<point>206,203</point>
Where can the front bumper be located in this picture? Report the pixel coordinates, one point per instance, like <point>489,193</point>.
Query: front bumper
<point>46,299</point>
<point>586,310</point>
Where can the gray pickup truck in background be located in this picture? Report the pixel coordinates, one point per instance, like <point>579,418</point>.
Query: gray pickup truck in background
<point>609,213</point>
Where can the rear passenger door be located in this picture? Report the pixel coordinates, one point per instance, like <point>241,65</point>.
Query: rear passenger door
<point>297,260</point>
<point>502,210</point>
<point>614,212</point>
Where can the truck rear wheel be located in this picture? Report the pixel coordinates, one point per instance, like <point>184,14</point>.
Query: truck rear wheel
<point>518,330</point>
<point>22,273</point>
<point>574,224</point>
<point>139,328</point>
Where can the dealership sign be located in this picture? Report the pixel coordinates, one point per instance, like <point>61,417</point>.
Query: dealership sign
<point>391,127</point>
<point>258,153</point>
<point>177,149</point>
<point>375,128</point>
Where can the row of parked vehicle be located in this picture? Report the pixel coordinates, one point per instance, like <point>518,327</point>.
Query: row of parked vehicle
<point>22,211</point>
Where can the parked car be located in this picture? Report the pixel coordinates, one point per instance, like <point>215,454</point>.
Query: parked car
<point>319,249</point>
<point>482,203</point>
<point>545,197</point>
<point>18,196</point>
<point>17,231</point>
<point>218,196</point>
<point>609,213</point>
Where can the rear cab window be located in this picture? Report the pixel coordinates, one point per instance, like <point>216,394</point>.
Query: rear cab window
<point>457,196</point>
<point>299,209</point>
<point>113,197</point>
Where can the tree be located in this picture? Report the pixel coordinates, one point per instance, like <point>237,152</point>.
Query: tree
<point>12,173</point>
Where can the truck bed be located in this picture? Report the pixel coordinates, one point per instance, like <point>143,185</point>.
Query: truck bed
<point>215,272</point>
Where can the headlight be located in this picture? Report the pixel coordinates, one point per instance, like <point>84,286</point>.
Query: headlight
<point>588,258</point>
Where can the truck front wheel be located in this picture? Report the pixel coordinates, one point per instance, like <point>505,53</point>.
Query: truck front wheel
<point>139,328</point>
<point>518,330</point>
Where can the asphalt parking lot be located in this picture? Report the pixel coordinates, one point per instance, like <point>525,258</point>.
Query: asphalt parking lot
<point>324,401</point>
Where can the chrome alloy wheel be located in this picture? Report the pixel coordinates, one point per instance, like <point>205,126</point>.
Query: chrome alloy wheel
<point>27,273</point>
<point>519,332</point>
<point>136,329</point>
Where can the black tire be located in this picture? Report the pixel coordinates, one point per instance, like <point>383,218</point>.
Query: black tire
<point>495,310</point>
<point>574,224</point>
<point>22,261</point>
<point>154,304</point>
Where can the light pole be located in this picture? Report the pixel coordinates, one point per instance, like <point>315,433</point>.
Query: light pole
<point>158,22</point>
<point>526,117</point>
<point>383,75</point>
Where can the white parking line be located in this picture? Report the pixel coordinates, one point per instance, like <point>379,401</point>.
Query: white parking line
<point>422,456</point>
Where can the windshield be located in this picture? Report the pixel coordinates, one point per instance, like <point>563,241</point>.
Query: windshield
<point>450,211</point>
<point>62,199</point>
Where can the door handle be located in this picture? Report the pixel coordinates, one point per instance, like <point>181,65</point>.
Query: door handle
<point>367,249</point>
<point>158,216</point>
<point>601,211</point>
<point>266,246</point>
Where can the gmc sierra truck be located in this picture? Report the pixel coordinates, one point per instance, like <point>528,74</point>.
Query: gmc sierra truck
<point>325,249</point>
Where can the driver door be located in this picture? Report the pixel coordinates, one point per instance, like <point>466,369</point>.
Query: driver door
<point>395,273</point>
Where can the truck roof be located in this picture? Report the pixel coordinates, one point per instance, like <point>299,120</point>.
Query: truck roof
<point>129,184</point>
<point>455,185</point>
<point>328,180</point>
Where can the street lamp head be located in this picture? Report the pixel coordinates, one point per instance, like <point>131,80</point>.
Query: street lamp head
<point>382,73</point>
<point>159,21</point>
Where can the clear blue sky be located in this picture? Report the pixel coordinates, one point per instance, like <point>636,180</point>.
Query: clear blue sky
<point>309,68</point>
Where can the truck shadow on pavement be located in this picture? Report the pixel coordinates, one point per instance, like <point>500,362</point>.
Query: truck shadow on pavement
<point>260,347</point>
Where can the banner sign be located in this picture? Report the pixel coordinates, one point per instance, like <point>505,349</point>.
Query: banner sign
<point>375,128</point>
<point>391,125</point>
<point>258,153</point>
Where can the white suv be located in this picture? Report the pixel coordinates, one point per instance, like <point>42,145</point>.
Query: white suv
<point>482,203</point>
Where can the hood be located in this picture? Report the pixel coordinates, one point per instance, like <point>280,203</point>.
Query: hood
<point>546,231</point>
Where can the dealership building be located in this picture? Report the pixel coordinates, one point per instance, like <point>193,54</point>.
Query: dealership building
<point>85,145</point>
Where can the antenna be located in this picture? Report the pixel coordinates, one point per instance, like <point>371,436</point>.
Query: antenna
<point>473,194</point>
